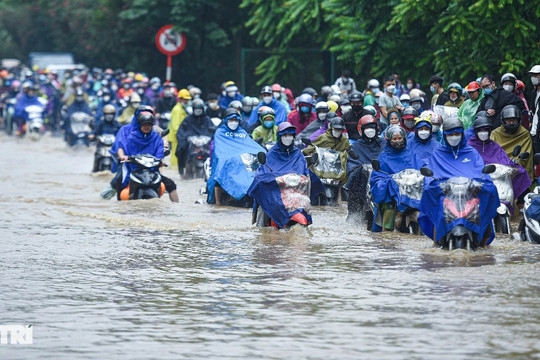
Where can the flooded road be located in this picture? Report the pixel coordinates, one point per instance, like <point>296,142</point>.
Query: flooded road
<point>102,279</point>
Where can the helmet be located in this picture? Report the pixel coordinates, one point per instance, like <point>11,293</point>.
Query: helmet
<point>395,129</point>
<point>155,80</point>
<point>455,87</point>
<point>420,120</point>
<point>145,118</point>
<point>364,121</point>
<point>409,111</point>
<point>508,77</point>
<point>344,102</point>
<point>405,97</point>
<point>184,94</point>
<point>266,90</point>
<point>247,101</point>
<point>337,123</point>
<point>356,96</point>
<point>373,83</point>
<point>511,112</point>
<point>267,111</point>
<point>473,86</point>
<point>143,108</point>
<point>194,91</point>
<point>263,108</point>
<point>230,113</point>
<point>452,123</point>
<point>520,85</point>
<point>27,85</point>
<point>335,98</point>
<point>371,109</point>
<point>236,104</point>
<point>276,87</point>
<point>198,104</point>
<point>482,121</point>
<point>326,90</point>
<point>535,69</point>
<point>416,93</point>
<point>322,105</point>
<point>255,101</point>
<point>305,99</point>
<point>134,98</point>
<point>285,126</point>
<point>416,98</point>
<point>332,105</point>
<point>427,115</point>
<point>311,91</point>
<point>109,109</point>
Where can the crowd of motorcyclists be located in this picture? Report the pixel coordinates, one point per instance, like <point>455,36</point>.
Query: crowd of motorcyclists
<point>389,151</point>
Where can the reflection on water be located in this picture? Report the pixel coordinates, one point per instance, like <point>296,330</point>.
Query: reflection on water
<point>155,280</point>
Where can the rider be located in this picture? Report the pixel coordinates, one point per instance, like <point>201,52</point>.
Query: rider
<point>408,119</point>
<point>28,98</point>
<point>371,90</point>
<point>231,94</point>
<point>511,133</point>
<point>302,116</point>
<point>454,92</point>
<point>367,147</point>
<point>108,125</point>
<point>467,111</point>
<point>332,139</point>
<point>268,100</point>
<point>268,129</point>
<point>357,112</point>
<point>128,112</point>
<point>421,142</point>
<point>321,111</point>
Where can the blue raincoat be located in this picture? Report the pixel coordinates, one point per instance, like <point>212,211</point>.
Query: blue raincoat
<point>422,151</point>
<point>121,137</point>
<point>447,163</point>
<point>279,109</point>
<point>228,169</point>
<point>266,191</point>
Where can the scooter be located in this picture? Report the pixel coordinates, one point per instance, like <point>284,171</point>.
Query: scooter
<point>529,226</point>
<point>295,190</point>
<point>502,178</point>
<point>145,181</point>
<point>411,185</point>
<point>79,123</point>
<point>103,157</point>
<point>35,124</point>
<point>164,120</point>
<point>461,201</point>
<point>198,152</point>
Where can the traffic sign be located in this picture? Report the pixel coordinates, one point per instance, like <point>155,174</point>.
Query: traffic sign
<point>170,42</point>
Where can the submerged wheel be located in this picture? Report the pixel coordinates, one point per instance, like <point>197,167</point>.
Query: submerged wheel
<point>413,228</point>
<point>505,224</point>
<point>451,244</point>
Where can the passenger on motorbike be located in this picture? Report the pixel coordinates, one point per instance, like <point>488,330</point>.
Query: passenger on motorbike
<point>454,92</point>
<point>268,100</point>
<point>357,112</point>
<point>394,118</point>
<point>421,142</point>
<point>467,111</point>
<point>511,133</point>
<point>408,117</point>
<point>196,124</point>
<point>128,112</point>
<point>302,116</point>
<point>367,147</point>
<point>268,129</point>
<point>321,110</point>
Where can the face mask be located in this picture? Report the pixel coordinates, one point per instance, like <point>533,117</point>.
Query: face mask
<point>375,90</point>
<point>336,133</point>
<point>357,108</point>
<point>488,91</point>
<point>231,93</point>
<point>535,81</point>
<point>345,109</point>
<point>198,112</point>
<point>483,135</point>
<point>246,109</point>
<point>277,95</point>
<point>398,145</point>
<point>78,98</point>
<point>268,124</point>
<point>321,116</point>
<point>140,91</point>
<point>213,105</point>
<point>424,134</point>
<point>305,109</point>
<point>432,89</point>
<point>390,89</point>
<point>405,104</point>
<point>267,99</point>
<point>109,117</point>
<point>453,140</point>
<point>233,124</point>
<point>453,98</point>
<point>508,88</point>
<point>287,140</point>
<point>167,93</point>
<point>417,106</point>
<point>155,86</point>
<point>436,128</point>
<point>370,133</point>
<point>409,86</point>
<point>107,98</point>
<point>409,124</point>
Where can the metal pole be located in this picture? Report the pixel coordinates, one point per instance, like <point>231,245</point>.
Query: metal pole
<point>169,68</point>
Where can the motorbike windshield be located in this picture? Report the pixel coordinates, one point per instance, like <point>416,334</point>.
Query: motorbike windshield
<point>461,199</point>
<point>329,162</point>
<point>146,161</point>
<point>410,183</point>
<point>106,139</point>
<point>250,162</point>
<point>502,178</point>
<point>80,122</point>
<point>294,192</point>
<point>34,112</point>
<point>199,140</point>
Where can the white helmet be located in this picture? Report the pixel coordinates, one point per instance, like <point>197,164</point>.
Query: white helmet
<point>373,83</point>
<point>322,105</point>
<point>404,97</point>
<point>535,69</point>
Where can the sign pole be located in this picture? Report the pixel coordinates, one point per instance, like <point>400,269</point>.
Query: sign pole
<point>169,68</point>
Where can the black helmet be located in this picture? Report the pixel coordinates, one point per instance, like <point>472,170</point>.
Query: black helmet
<point>144,118</point>
<point>337,123</point>
<point>344,102</point>
<point>229,112</point>
<point>356,96</point>
<point>310,91</point>
<point>452,123</point>
<point>511,112</point>
<point>266,90</point>
<point>481,122</point>
<point>409,110</point>
<point>144,108</point>
<point>197,104</point>
<point>331,115</point>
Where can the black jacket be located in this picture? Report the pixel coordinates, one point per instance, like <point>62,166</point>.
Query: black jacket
<point>497,100</point>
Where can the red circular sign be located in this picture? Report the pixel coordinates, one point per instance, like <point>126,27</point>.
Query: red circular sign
<point>170,42</point>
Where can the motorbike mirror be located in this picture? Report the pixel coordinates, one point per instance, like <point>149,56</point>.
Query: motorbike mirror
<point>314,159</point>
<point>261,157</point>
<point>376,165</point>
<point>353,154</point>
<point>260,140</point>
<point>524,156</point>
<point>306,141</point>
<point>516,151</point>
<point>536,158</point>
<point>165,132</point>
<point>426,172</point>
<point>489,169</point>
<point>166,152</point>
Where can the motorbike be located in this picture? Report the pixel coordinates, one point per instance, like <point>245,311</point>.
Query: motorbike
<point>461,202</point>
<point>529,226</point>
<point>164,119</point>
<point>410,183</point>
<point>198,152</point>
<point>35,125</point>
<point>295,195</point>
<point>502,178</point>
<point>8,112</point>
<point>103,157</point>
<point>79,123</point>
<point>145,181</point>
